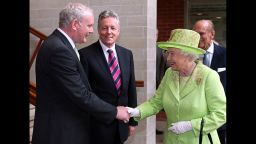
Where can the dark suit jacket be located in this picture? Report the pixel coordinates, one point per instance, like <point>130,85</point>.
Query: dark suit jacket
<point>219,61</point>
<point>64,100</point>
<point>161,65</point>
<point>100,78</point>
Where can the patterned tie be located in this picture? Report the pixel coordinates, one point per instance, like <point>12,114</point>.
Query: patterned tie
<point>115,70</point>
<point>206,59</point>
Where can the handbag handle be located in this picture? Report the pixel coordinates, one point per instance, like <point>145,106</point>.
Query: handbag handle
<point>201,133</point>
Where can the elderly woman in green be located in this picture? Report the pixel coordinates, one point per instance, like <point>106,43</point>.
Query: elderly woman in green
<point>189,93</point>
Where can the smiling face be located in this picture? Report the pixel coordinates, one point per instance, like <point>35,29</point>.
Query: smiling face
<point>206,31</point>
<point>108,30</point>
<point>175,58</point>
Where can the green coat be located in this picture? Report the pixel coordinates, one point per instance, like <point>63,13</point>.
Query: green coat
<point>202,97</point>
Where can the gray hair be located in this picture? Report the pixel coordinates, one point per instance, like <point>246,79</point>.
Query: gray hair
<point>72,11</point>
<point>108,13</point>
<point>190,56</point>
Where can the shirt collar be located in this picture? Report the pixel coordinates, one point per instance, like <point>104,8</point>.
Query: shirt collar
<point>69,39</point>
<point>105,48</point>
<point>210,49</point>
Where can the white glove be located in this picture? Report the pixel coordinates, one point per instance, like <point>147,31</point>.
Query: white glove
<point>134,112</point>
<point>180,127</point>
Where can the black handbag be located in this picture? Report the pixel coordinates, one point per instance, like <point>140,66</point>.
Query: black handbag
<point>201,133</point>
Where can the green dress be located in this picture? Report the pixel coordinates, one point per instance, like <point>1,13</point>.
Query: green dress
<point>199,96</point>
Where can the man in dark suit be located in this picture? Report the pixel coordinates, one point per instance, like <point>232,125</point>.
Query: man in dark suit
<point>121,89</point>
<point>64,98</point>
<point>216,57</point>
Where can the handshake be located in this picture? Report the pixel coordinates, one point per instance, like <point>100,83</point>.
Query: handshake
<point>124,113</point>
<point>134,112</point>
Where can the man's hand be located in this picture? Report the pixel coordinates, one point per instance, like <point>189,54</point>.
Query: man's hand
<point>122,114</point>
<point>180,127</point>
<point>132,130</point>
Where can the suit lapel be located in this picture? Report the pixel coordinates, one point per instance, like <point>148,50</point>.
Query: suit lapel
<point>69,46</point>
<point>188,88</point>
<point>101,60</point>
<point>174,84</point>
<point>84,75</point>
<point>66,42</point>
<point>215,58</point>
<point>191,83</point>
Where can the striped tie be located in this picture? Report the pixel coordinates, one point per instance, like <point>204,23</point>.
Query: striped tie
<point>115,70</point>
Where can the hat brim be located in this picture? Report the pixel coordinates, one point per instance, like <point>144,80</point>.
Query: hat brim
<point>167,45</point>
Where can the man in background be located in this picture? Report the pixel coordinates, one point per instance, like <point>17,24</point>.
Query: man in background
<point>110,69</point>
<point>215,58</point>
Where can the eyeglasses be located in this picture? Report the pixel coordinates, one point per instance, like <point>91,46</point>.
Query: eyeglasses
<point>165,52</point>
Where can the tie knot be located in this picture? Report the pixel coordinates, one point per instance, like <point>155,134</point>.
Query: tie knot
<point>110,51</point>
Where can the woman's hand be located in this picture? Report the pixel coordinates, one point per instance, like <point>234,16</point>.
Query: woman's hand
<point>180,127</point>
<point>134,112</point>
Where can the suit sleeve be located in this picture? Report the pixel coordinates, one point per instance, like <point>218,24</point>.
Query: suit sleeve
<point>132,94</point>
<point>153,105</point>
<point>66,75</point>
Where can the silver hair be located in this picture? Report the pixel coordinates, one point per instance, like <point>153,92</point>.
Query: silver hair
<point>191,56</point>
<point>106,14</point>
<point>73,11</point>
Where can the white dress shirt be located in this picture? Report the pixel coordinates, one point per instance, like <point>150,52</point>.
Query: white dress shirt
<point>70,41</point>
<point>105,50</point>
<point>210,53</point>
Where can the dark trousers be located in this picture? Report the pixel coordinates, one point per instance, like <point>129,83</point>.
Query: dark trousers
<point>105,134</point>
<point>222,135</point>
<point>118,141</point>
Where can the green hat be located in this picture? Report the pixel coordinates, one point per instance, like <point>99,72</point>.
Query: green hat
<point>184,39</point>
